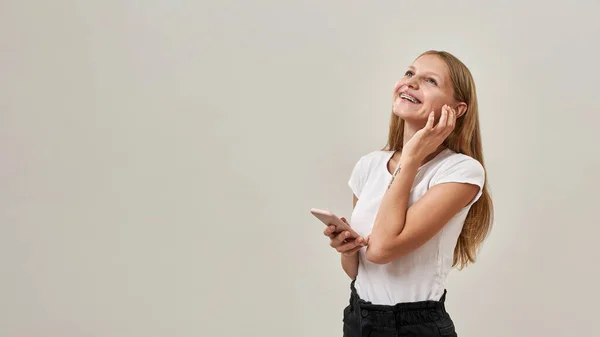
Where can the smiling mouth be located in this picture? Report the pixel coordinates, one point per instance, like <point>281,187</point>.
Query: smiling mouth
<point>410,98</point>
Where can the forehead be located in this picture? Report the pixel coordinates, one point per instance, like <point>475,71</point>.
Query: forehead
<point>432,64</point>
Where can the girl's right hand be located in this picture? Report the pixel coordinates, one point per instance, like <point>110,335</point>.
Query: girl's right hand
<point>342,242</point>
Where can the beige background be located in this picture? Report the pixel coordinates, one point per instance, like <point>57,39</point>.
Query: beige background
<point>159,158</point>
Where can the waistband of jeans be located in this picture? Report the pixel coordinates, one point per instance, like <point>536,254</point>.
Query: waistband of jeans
<point>435,308</point>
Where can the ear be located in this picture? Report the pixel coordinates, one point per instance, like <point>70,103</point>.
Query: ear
<point>460,109</point>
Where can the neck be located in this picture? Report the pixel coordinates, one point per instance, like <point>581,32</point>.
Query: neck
<point>409,132</point>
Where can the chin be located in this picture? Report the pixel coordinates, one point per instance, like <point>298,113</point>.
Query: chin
<point>409,115</point>
<point>409,111</point>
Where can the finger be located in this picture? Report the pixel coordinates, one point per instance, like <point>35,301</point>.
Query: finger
<point>443,119</point>
<point>339,239</point>
<point>345,247</point>
<point>452,120</point>
<point>430,121</point>
<point>329,231</point>
<point>352,251</point>
<point>361,241</point>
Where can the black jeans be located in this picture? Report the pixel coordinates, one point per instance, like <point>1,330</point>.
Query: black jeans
<point>415,319</point>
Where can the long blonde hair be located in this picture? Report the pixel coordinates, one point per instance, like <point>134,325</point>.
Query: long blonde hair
<point>466,139</point>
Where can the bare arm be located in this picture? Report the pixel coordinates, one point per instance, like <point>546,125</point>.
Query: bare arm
<point>398,230</point>
<point>350,261</point>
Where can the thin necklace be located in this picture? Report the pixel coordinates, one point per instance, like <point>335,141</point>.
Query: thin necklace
<point>394,175</point>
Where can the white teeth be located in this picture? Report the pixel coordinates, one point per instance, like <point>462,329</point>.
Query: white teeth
<point>410,98</point>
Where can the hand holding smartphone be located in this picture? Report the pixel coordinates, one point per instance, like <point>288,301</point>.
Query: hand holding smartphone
<point>330,219</point>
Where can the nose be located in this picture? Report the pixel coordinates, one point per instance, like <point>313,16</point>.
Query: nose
<point>413,83</point>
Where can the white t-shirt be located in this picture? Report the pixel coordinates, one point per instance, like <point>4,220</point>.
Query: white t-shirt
<point>421,274</point>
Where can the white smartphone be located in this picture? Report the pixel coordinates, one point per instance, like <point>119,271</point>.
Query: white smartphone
<point>329,218</point>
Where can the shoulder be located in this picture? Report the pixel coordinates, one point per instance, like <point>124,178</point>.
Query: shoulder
<point>371,159</point>
<point>375,155</point>
<point>364,168</point>
<point>458,167</point>
<point>459,160</point>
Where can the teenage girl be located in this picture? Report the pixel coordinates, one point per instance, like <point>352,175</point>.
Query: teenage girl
<point>421,205</point>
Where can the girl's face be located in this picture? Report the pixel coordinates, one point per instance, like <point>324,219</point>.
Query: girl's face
<point>425,87</point>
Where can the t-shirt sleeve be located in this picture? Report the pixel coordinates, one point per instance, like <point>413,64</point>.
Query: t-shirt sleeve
<point>358,177</point>
<point>465,170</point>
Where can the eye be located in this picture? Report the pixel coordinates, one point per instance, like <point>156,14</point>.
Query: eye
<point>409,73</point>
<point>432,81</point>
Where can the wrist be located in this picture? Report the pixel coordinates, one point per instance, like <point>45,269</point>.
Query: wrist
<point>409,162</point>
<point>350,255</point>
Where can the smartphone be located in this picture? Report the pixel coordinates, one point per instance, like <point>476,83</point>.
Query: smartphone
<point>329,218</point>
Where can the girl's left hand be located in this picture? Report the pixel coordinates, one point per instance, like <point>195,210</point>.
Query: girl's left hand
<point>429,138</point>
